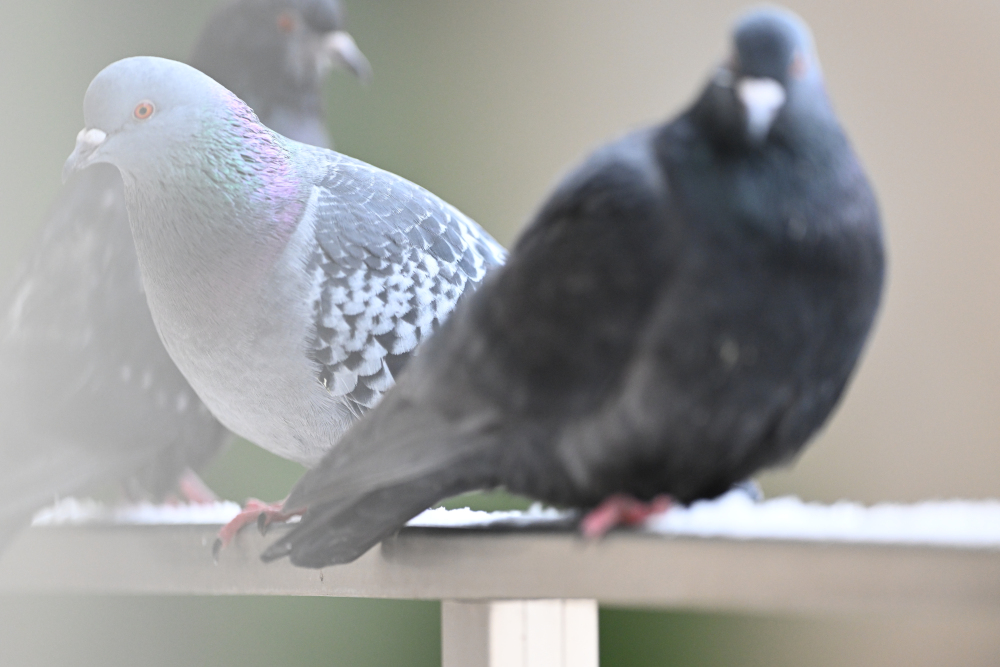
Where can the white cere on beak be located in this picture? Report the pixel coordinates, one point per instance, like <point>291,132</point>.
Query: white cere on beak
<point>91,138</point>
<point>762,98</point>
<point>87,141</point>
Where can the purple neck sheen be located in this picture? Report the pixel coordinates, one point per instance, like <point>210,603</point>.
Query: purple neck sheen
<point>257,164</point>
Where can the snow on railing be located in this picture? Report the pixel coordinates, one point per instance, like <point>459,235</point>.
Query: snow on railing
<point>958,523</point>
<point>522,587</point>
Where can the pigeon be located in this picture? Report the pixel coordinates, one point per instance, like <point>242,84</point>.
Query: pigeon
<point>88,394</point>
<point>290,284</point>
<point>274,55</point>
<point>685,309</point>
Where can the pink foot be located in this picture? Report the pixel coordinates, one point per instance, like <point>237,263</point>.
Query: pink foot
<point>254,511</point>
<point>620,509</point>
<point>194,490</point>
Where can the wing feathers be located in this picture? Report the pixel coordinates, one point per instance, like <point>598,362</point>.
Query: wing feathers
<point>392,261</point>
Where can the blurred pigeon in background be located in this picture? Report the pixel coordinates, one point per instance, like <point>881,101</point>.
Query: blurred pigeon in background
<point>685,309</point>
<point>274,54</point>
<point>289,283</point>
<point>88,394</point>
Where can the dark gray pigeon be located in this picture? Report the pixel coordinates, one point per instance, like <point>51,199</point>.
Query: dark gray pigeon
<point>274,55</point>
<point>289,283</point>
<point>87,391</point>
<point>685,309</point>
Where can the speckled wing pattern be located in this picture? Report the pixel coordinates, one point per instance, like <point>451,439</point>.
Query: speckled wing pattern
<point>391,263</point>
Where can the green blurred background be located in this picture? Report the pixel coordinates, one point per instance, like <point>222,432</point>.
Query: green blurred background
<point>486,103</point>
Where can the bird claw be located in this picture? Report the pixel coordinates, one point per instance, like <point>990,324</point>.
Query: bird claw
<point>620,510</point>
<point>216,548</point>
<point>194,490</point>
<point>254,511</point>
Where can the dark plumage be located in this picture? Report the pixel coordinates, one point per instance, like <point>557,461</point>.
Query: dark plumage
<point>88,394</point>
<point>274,54</point>
<point>685,309</point>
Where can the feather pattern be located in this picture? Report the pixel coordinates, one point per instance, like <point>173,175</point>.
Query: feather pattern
<point>388,268</point>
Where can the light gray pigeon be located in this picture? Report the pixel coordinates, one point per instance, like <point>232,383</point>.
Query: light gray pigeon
<point>88,394</point>
<point>288,283</point>
<point>685,309</point>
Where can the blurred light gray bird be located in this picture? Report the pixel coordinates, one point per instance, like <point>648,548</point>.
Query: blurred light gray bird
<point>685,309</point>
<point>289,283</point>
<point>88,394</point>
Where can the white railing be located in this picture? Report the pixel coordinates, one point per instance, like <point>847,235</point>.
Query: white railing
<point>520,597</point>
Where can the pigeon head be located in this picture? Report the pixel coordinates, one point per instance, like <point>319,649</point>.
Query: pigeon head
<point>771,82</point>
<point>194,160</point>
<point>275,54</point>
<point>139,110</point>
<point>773,44</point>
<point>322,24</point>
<point>300,40</point>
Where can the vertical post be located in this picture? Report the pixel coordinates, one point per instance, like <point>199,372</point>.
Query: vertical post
<point>519,633</point>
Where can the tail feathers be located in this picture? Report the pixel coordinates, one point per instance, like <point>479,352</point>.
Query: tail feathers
<point>399,442</point>
<point>333,535</point>
<point>397,461</point>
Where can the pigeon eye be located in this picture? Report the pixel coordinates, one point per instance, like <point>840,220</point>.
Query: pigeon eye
<point>144,110</point>
<point>797,68</point>
<point>286,22</point>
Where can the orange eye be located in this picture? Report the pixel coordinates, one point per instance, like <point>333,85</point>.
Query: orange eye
<point>286,22</point>
<point>144,110</point>
<point>799,66</point>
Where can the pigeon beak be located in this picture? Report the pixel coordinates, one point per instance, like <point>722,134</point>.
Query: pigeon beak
<point>342,51</point>
<point>87,141</point>
<point>762,98</point>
